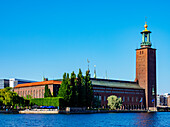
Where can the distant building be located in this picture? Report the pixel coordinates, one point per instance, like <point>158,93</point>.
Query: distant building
<point>163,100</point>
<point>158,100</point>
<point>12,82</point>
<point>4,83</point>
<point>168,100</point>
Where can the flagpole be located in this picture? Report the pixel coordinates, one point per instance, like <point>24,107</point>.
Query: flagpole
<point>154,104</point>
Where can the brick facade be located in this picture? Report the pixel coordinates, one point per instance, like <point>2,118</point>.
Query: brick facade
<point>130,97</point>
<point>37,89</point>
<point>146,73</point>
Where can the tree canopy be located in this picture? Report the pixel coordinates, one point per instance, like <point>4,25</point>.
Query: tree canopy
<point>10,98</point>
<point>114,102</point>
<point>47,92</point>
<point>76,91</point>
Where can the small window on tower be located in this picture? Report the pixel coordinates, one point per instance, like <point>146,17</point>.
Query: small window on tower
<point>145,38</point>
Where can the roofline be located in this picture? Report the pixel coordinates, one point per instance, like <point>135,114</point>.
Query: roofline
<point>118,87</point>
<point>146,48</point>
<point>99,79</point>
<point>4,79</point>
<point>50,82</point>
<point>22,80</point>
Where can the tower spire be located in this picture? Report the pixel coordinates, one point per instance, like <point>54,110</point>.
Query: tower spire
<point>146,37</point>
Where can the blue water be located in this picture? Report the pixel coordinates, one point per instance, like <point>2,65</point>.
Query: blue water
<point>159,119</point>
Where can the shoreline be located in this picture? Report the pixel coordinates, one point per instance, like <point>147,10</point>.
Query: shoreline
<point>80,112</point>
<point>74,112</point>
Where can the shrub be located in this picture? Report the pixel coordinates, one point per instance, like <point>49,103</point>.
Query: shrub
<point>48,101</point>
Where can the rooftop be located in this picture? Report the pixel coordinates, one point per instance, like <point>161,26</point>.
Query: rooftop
<point>38,83</point>
<point>115,83</point>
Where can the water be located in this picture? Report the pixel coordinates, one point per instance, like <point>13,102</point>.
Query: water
<point>160,119</point>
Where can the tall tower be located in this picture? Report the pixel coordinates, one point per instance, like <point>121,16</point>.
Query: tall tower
<point>146,69</point>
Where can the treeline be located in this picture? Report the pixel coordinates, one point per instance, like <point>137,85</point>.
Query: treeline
<point>10,99</point>
<point>77,90</point>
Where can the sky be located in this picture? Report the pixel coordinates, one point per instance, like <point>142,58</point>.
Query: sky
<point>47,38</point>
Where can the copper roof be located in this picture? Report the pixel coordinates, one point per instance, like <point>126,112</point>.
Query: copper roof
<point>115,83</point>
<point>38,83</point>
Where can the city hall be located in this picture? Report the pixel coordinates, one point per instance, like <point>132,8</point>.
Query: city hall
<point>137,94</point>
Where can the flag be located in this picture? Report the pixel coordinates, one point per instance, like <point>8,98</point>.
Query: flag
<point>153,100</point>
<point>140,100</point>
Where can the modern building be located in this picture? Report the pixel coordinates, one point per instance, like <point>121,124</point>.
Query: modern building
<point>138,94</point>
<point>12,82</point>
<point>163,100</point>
<point>4,83</point>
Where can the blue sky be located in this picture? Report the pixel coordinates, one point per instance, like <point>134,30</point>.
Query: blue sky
<point>52,37</point>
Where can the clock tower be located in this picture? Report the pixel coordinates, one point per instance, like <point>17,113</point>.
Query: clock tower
<point>146,69</point>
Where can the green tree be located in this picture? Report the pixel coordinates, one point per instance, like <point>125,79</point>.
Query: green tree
<point>64,90</point>
<point>47,92</point>
<point>8,98</point>
<point>73,89</point>
<point>96,102</point>
<point>89,89</point>
<point>114,102</point>
<point>81,90</point>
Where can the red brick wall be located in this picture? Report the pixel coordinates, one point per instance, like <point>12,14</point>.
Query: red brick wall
<point>34,91</point>
<point>134,95</point>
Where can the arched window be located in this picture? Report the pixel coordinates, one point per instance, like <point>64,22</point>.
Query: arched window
<point>42,93</point>
<point>39,93</point>
<point>34,94</point>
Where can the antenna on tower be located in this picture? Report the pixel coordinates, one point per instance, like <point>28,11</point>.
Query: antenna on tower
<point>94,71</point>
<point>106,74</point>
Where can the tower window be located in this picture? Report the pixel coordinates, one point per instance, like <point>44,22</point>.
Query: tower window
<point>145,38</point>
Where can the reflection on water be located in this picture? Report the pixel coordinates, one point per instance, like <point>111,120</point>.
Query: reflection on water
<point>88,120</point>
<point>153,119</point>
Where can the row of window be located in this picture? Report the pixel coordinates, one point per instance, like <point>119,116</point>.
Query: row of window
<point>128,99</point>
<point>102,88</point>
<point>103,91</point>
<point>33,93</point>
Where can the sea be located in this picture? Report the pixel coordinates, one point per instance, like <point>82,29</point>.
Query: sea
<point>158,119</point>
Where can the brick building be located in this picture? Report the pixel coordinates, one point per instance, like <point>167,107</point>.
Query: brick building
<point>37,89</point>
<point>138,94</point>
<point>132,95</point>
